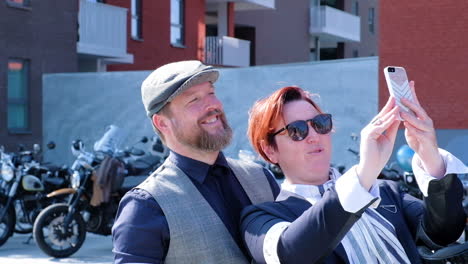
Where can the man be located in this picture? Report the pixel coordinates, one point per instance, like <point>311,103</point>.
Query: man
<point>188,210</point>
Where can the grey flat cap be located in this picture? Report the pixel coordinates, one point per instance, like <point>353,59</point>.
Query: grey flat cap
<point>167,81</point>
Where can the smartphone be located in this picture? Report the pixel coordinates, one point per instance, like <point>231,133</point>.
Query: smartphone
<point>398,85</point>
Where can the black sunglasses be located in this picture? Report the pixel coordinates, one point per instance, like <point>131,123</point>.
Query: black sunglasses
<point>298,130</point>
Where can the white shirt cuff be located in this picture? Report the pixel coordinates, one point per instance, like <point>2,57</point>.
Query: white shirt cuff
<point>353,197</point>
<point>270,243</point>
<point>452,165</point>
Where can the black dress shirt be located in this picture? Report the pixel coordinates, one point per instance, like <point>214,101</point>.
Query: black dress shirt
<point>141,232</point>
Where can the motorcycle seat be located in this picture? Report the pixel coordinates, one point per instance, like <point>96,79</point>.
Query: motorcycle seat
<point>54,181</point>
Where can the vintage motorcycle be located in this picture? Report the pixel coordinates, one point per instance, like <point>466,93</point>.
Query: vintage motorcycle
<point>249,156</point>
<point>60,229</point>
<point>25,184</point>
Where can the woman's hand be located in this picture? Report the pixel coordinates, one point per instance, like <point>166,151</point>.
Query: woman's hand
<point>421,137</point>
<point>377,140</point>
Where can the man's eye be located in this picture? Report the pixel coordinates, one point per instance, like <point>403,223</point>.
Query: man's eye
<point>193,100</point>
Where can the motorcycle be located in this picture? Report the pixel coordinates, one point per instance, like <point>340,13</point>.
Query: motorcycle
<point>249,156</point>
<point>25,183</point>
<point>60,229</point>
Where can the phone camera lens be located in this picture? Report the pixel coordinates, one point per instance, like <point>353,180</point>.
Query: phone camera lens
<point>391,69</point>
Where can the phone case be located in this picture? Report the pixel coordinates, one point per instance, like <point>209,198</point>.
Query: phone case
<point>398,85</point>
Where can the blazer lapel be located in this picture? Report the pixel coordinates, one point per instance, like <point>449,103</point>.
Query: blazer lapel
<point>341,253</point>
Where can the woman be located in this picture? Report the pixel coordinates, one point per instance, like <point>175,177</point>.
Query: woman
<point>321,216</point>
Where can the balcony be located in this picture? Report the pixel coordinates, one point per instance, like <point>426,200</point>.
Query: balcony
<point>240,5</point>
<point>331,24</point>
<point>103,32</point>
<point>227,51</point>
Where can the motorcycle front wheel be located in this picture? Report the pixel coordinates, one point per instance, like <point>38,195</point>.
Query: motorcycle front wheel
<point>7,224</point>
<point>53,238</point>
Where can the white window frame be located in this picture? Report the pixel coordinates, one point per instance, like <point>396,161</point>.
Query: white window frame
<point>178,6</point>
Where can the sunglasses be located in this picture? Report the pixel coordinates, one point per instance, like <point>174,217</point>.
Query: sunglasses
<point>298,130</point>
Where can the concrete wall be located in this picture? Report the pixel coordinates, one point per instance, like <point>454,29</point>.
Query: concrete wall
<point>81,105</point>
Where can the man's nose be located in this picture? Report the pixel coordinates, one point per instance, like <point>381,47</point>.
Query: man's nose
<point>213,102</point>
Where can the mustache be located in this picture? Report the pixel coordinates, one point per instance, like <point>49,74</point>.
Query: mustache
<point>211,113</point>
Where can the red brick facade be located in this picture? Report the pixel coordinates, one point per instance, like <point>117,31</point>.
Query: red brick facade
<point>430,40</point>
<point>231,17</point>
<point>156,49</point>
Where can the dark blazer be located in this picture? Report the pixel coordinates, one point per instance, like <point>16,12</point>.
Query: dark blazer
<point>315,232</point>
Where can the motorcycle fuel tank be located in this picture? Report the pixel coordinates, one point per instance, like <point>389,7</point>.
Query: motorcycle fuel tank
<point>32,183</point>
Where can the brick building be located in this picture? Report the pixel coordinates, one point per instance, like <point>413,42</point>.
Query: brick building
<point>164,31</point>
<point>33,41</point>
<point>430,41</point>
<point>149,34</point>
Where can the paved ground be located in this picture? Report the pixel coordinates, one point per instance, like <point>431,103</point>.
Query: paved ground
<point>96,249</point>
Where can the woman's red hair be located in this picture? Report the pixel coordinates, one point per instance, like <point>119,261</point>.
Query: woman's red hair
<point>266,112</point>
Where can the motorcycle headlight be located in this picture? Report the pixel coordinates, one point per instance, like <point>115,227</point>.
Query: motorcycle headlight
<point>7,172</point>
<point>75,180</point>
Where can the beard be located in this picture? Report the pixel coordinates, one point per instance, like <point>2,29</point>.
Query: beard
<point>199,139</point>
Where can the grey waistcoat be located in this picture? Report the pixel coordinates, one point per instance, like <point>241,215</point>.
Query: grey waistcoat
<point>197,234</point>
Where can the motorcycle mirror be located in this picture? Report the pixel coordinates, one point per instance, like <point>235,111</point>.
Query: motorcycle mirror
<point>36,148</point>
<point>20,147</point>
<point>144,139</point>
<point>77,144</point>
<point>51,145</point>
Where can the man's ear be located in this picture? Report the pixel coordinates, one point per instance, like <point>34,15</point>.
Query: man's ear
<point>161,123</point>
<point>269,151</point>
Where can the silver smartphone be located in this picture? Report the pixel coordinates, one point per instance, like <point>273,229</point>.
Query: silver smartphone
<point>398,85</point>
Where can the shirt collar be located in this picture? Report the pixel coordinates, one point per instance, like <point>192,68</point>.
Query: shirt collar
<point>311,193</point>
<point>196,169</point>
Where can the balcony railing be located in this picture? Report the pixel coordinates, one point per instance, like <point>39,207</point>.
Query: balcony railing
<point>247,4</point>
<point>227,51</point>
<point>334,25</point>
<point>102,30</point>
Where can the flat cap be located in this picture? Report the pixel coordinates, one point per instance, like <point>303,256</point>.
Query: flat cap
<point>167,81</point>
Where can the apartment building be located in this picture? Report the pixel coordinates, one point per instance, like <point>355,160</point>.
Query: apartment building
<point>305,30</point>
<point>33,41</point>
<point>38,37</point>
<point>171,30</point>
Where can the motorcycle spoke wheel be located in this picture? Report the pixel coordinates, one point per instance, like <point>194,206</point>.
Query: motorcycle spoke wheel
<point>53,238</point>
<point>7,225</point>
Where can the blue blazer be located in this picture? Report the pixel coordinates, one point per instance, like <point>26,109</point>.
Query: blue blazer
<point>315,232</point>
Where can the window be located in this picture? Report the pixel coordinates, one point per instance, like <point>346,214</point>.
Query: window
<point>355,53</point>
<point>177,22</point>
<point>331,3</point>
<point>17,104</point>
<point>371,19</point>
<point>26,3</point>
<point>136,20</point>
<point>356,8</point>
